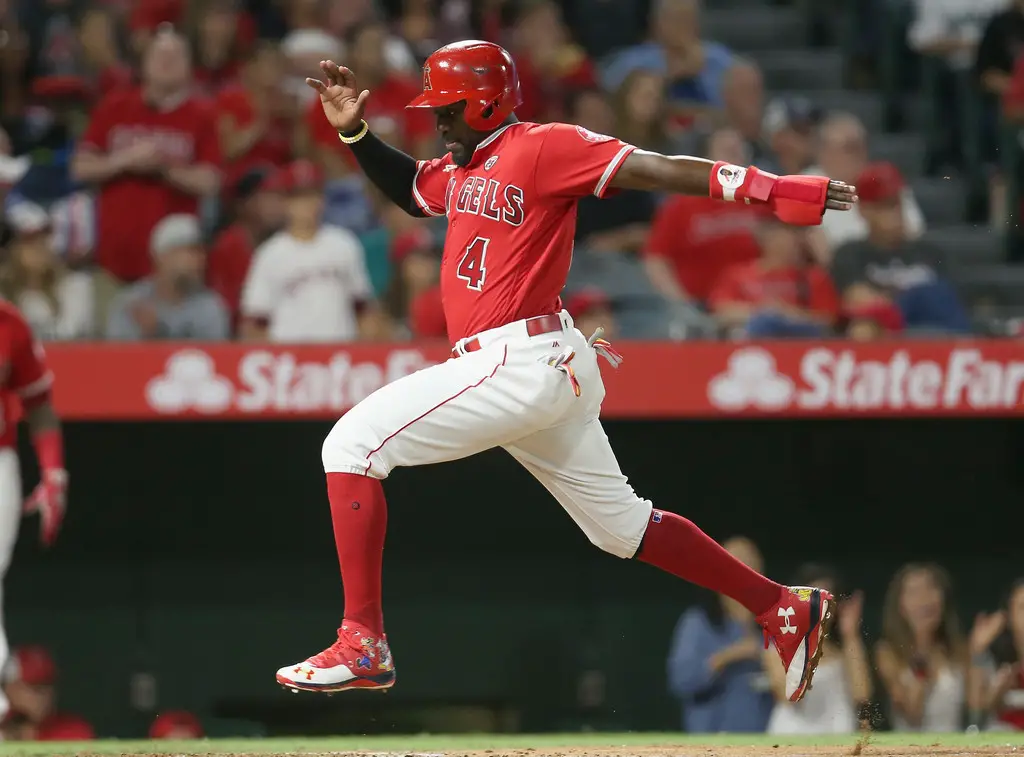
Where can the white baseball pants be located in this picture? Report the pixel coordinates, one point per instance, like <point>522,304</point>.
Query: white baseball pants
<point>10,519</point>
<point>506,394</point>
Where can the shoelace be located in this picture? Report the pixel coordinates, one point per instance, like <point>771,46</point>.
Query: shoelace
<point>348,642</point>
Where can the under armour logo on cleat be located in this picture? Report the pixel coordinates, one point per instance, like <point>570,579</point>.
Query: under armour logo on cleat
<point>786,613</point>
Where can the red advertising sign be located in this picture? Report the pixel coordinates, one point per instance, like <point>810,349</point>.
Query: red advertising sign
<point>657,380</point>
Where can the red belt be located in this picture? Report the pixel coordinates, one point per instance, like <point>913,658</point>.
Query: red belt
<point>542,324</point>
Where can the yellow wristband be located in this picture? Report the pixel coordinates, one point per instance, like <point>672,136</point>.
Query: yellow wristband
<point>355,137</point>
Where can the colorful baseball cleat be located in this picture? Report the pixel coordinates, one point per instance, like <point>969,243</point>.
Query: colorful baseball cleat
<point>357,660</point>
<point>798,625</point>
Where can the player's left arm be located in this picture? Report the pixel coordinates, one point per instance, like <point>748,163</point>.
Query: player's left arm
<point>799,200</point>
<point>31,379</point>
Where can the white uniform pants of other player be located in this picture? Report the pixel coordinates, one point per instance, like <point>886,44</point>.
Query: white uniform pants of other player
<point>10,519</point>
<point>506,394</point>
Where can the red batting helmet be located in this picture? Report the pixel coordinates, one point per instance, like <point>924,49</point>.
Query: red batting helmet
<point>481,73</point>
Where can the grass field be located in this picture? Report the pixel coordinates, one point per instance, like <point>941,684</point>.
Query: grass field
<point>555,745</point>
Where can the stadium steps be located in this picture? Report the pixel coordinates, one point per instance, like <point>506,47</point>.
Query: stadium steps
<point>966,247</point>
<point>867,106</point>
<point>755,27</point>
<point>906,151</point>
<point>1002,285</point>
<point>943,201</point>
<point>801,69</point>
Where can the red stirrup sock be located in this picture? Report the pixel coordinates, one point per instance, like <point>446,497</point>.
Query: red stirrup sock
<point>677,546</point>
<point>360,516</point>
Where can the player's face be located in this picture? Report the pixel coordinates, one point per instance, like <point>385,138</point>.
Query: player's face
<point>458,138</point>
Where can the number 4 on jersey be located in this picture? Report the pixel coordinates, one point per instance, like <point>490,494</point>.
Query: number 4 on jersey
<point>472,268</point>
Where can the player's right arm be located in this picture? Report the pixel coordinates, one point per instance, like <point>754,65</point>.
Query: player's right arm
<point>417,187</point>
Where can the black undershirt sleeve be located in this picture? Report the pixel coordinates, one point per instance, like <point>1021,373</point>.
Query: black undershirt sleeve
<point>390,169</point>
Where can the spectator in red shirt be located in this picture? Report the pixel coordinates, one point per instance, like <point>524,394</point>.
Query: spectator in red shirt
<point>101,64</point>
<point>411,296</point>
<point>549,63</point>
<point>176,725</point>
<point>255,116</point>
<point>258,213</point>
<point>153,151</point>
<point>148,16</point>
<point>412,129</point>
<point>781,293</point>
<point>694,239</point>
<point>223,36</point>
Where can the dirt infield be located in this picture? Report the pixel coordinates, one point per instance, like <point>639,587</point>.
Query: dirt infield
<point>689,750</point>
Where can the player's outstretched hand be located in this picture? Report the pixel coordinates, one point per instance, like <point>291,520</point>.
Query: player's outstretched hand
<point>841,196</point>
<point>342,101</point>
<point>49,500</point>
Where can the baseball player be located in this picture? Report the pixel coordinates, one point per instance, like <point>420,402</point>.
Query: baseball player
<point>25,387</point>
<point>521,376</point>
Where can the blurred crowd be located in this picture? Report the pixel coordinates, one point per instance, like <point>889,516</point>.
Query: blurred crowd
<point>31,683</point>
<point>166,173</point>
<point>926,671</point>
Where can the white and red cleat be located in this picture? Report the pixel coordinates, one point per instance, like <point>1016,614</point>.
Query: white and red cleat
<point>357,660</point>
<point>798,625</point>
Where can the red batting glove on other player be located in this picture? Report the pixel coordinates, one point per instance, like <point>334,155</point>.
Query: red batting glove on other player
<point>50,497</point>
<point>797,200</point>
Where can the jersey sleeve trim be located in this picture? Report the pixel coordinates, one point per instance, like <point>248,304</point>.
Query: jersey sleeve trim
<point>40,385</point>
<point>612,169</point>
<point>420,200</point>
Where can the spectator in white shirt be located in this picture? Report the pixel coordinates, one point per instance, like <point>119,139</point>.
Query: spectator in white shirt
<point>308,282</point>
<point>842,155</point>
<point>947,33</point>
<point>57,303</point>
<point>951,29</point>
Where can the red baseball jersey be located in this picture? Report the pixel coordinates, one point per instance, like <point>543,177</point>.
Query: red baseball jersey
<point>23,370</point>
<point>130,205</point>
<point>512,218</point>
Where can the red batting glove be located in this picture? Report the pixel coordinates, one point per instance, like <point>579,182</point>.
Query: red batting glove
<point>797,200</point>
<point>49,500</point>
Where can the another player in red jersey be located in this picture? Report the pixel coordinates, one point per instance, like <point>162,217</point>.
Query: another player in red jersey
<point>521,376</point>
<point>25,388</point>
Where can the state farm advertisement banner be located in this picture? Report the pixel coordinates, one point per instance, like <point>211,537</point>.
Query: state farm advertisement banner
<point>657,380</point>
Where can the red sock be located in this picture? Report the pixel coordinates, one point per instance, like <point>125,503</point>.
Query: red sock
<point>677,546</point>
<point>360,516</point>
